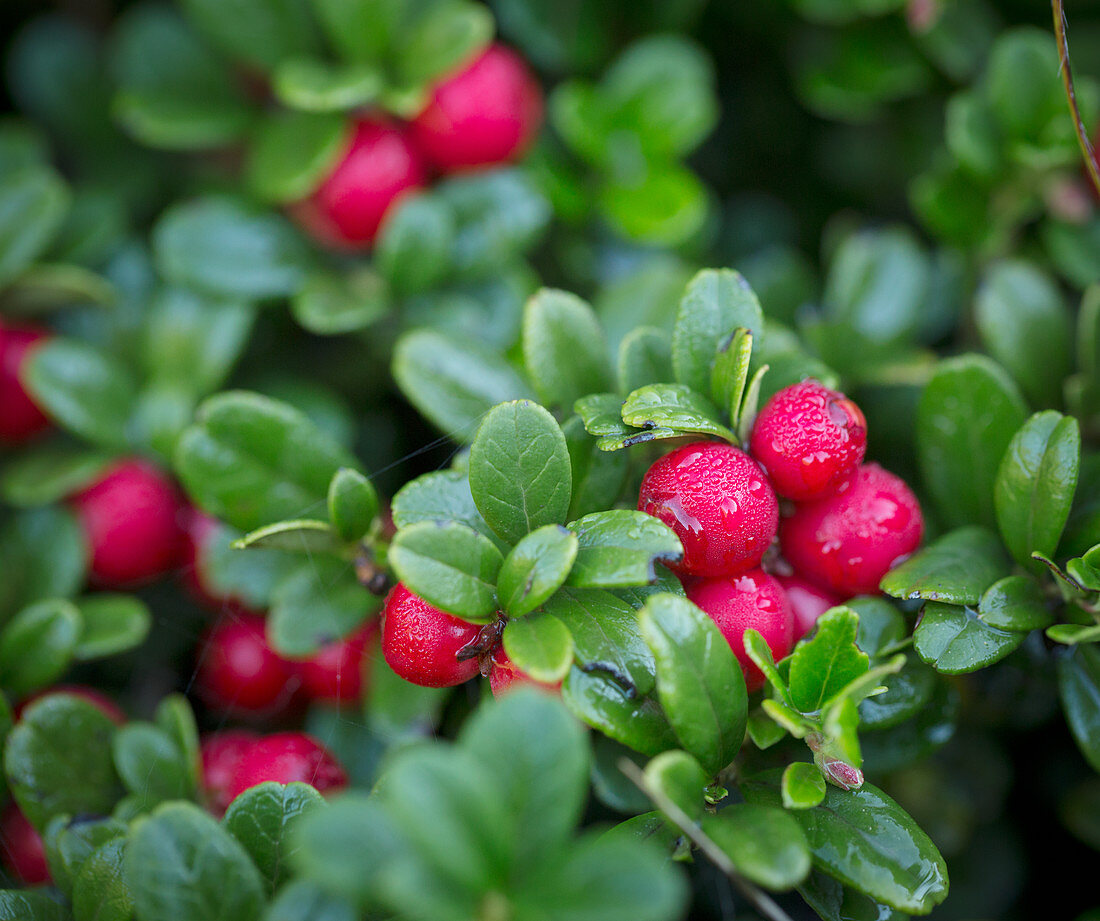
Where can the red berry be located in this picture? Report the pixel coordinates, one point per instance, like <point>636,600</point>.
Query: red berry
<point>486,114</point>
<point>339,672</point>
<point>221,753</point>
<point>421,643</point>
<point>718,501</point>
<point>379,167</point>
<point>807,601</point>
<point>20,417</point>
<point>21,848</point>
<point>848,541</point>
<point>238,672</point>
<point>810,439</point>
<point>505,675</point>
<point>96,698</point>
<point>129,521</point>
<point>199,530</point>
<point>288,757</point>
<point>753,600</point>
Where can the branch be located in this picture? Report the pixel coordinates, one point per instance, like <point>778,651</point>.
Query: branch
<point>1060,27</point>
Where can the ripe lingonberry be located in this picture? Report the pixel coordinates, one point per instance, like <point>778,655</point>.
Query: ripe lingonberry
<point>809,439</point>
<point>807,601</point>
<point>379,167</point>
<point>128,516</point>
<point>20,417</point>
<point>221,753</point>
<point>753,600</point>
<point>505,675</point>
<point>288,757</point>
<point>95,697</point>
<point>338,672</point>
<point>199,531</point>
<point>485,114</point>
<point>21,848</point>
<point>239,672</point>
<point>848,541</point>
<point>718,501</point>
<point>421,642</point>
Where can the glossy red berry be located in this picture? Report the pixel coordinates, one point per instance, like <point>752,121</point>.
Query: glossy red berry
<point>339,672</point>
<point>848,541</point>
<point>21,848</point>
<point>421,643</point>
<point>128,516</point>
<point>20,417</point>
<point>718,501</point>
<point>95,697</point>
<point>810,439</point>
<point>753,600</point>
<point>505,675</point>
<point>807,601</point>
<point>239,672</point>
<point>221,754</point>
<point>486,114</point>
<point>199,531</point>
<point>379,167</point>
<point>288,757</point>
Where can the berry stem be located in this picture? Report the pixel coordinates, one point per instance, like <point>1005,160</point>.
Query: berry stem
<point>1060,27</point>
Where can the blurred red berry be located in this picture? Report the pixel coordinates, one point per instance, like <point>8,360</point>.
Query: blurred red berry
<point>221,753</point>
<point>21,848</point>
<point>807,601</point>
<point>238,671</point>
<point>20,417</point>
<point>288,757</point>
<point>339,672</point>
<point>199,530</point>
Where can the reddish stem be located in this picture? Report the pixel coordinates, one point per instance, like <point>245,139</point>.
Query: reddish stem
<point>1060,26</point>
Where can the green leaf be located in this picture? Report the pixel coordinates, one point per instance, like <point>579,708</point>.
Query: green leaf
<point>717,302</point>
<point>450,566</point>
<point>731,373</point>
<point>352,504</point>
<point>536,568</point>
<point>84,389</point>
<point>251,460</point>
<point>564,348</point>
<point>316,603</point>
<point>602,414</point>
<point>443,495</point>
<point>1025,325</point>
<point>957,568</point>
<point>1034,490</point>
<point>620,548</point>
<point>31,905</point>
<point>440,38</point>
<point>414,246</point>
<point>111,624</point>
<point>44,777</point>
<point>1015,603</point>
<point>824,665</point>
<point>1079,688</point>
<point>176,718</point>
<point>257,32</point>
<point>43,554</point>
<point>520,475</point>
<point>645,357</point>
<point>1022,81</point>
<point>699,682</point>
<point>674,406</point>
<point>908,692</point>
<point>453,383</point>
<point>262,820</point>
<point>33,202</point>
<point>304,535</point>
<point>764,843</point>
<point>221,247</point>
<point>181,864</point>
<point>292,152</point>
<point>881,625</point>
<point>865,840</point>
<point>316,86</point>
<point>803,786</point>
<point>151,764</point>
<point>757,649</point>
<point>1072,634</point>
<point>677,776</point>
<point>967,415</point>
<point>100,891</point>
<point>635,721</point>
<point>540,645</point>
<point>302,900</point>
<point>598,476</point>
<point>331,303</point>
<point>37,645</point>
<point>954,640</point>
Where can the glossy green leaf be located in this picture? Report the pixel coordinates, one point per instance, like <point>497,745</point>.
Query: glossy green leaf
<point>181,864</point>
<point>111,624</point>
<point>957,568</point>
<point>833,901</point>
<point>1015,603</point>
<point>955,641</point>
<point>764,843</point>
<point>443,495</point>
<point>262,820</point>
<point>318,602</point>
<point>414,244</point>
<point>151,764</point>
<point>453,383</point>
<point>33,202</point>
<point>250,460</point>
<point>1072,634</point>
<point>539,645</point>
<point>645,357</point>
<point>1034,490</point>
<point>826,663</point>
<point>757,649</point>
<point>292,152</point>
<point>564,348</point>
<point>536,568</point>
<point>967,415</point>
<point>715,304</point>
<point>699,682</point>
<point>907,693</point>
<point>316,86</point>
<point>635,437</point>
<point>598,476</point>
<point>675,406</point>
<point>520,475</point>
<point>880,624</point>
<point>1079,688</point>
<point>677,776</point>
<point>38,645</point>
<point>730,374</point>
<point>803,786</point>
<point>303,535</point>
<point>330,303</point>
<point>635,721</point>
<point>99,890</point>
<point>602,414</point>
<point>352,504</point>
<point>621,548</point>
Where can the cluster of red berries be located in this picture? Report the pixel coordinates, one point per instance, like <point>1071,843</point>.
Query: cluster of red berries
<point>847,523</point>
<point>486,114</point>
